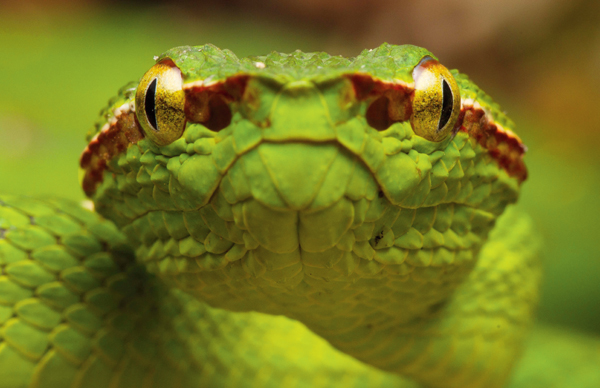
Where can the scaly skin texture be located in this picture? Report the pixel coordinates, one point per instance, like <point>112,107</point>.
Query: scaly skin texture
<point>298,187</point>
<point>77,311</point>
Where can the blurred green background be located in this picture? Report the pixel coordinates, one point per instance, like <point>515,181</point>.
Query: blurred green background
<point>62,60</point>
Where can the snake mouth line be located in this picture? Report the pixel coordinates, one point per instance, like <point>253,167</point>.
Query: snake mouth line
<point>205,262</point>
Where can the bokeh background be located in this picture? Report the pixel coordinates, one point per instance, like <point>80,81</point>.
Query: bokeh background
<point>60,60</point>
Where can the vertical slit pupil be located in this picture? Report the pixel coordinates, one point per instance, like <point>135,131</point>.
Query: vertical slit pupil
<point>447,103</point>
<point>150,104</point>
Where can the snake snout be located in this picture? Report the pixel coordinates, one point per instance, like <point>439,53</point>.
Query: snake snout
<point>303,194</point>
<point>299,175</point>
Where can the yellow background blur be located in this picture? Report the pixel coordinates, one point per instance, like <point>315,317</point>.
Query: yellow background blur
<point>540,59</point>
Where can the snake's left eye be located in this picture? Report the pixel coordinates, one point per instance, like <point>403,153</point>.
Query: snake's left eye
<point>159,103</point>
<point>436,100</point>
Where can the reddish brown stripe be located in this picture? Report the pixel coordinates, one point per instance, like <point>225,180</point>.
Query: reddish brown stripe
<point>366,86</point>
<point>504,147</point>
<point>397,97</point>
<point>108,144</point>
<point>201,99</point>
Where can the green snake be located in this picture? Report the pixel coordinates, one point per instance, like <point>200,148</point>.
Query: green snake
<point>288,220</point>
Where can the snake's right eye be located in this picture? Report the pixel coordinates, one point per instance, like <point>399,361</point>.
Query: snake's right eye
<point>159,102</point>
<point>436,100</point>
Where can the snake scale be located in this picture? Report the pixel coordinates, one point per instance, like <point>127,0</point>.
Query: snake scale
<point>288,220</point>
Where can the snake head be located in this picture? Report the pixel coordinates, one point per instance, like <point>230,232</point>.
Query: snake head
<point>295,174</point>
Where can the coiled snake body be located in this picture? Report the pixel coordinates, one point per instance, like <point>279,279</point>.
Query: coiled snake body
<point>255,202</point>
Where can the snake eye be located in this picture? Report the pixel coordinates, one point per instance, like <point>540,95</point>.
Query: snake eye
<point>159,102</point>
<point>436,101</point>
